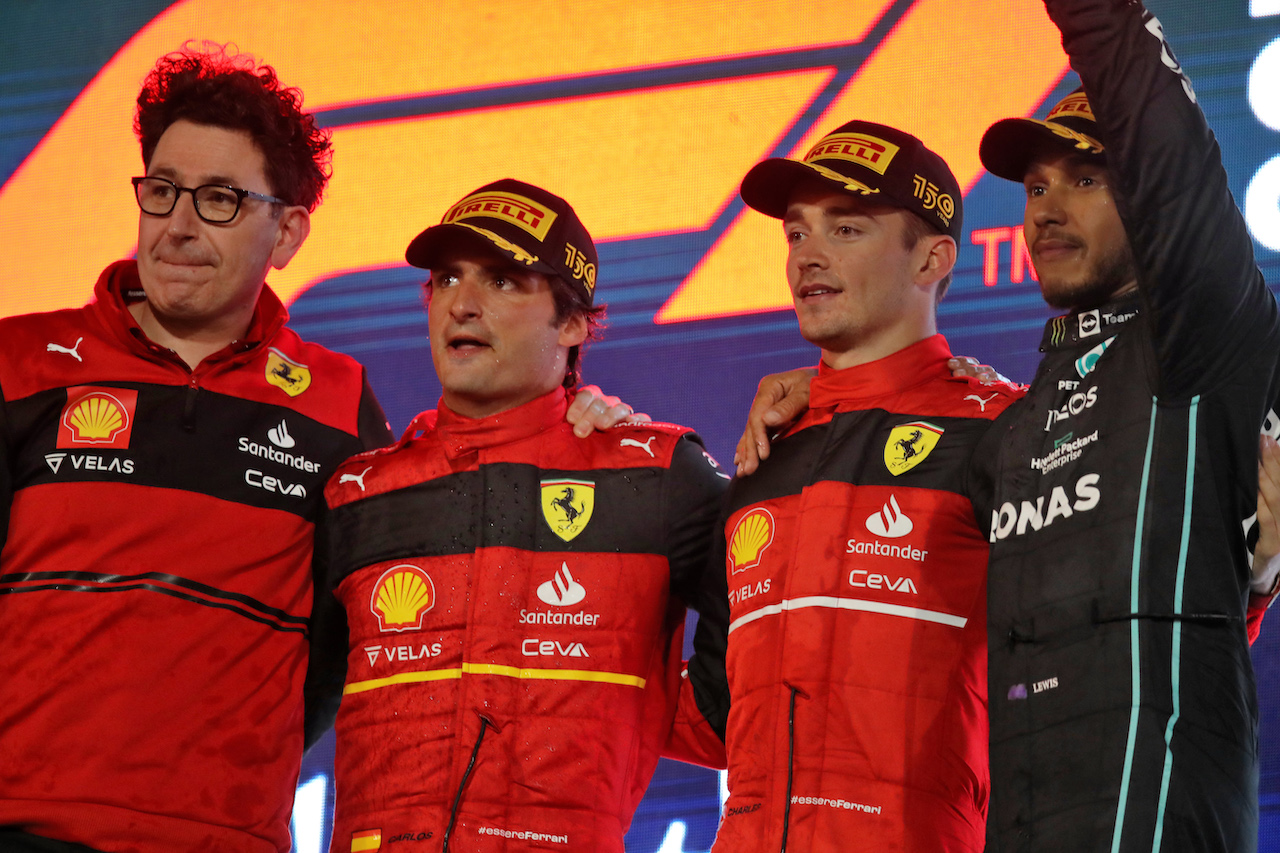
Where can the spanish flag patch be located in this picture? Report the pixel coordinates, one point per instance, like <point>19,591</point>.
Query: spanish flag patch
<point>366,839</point>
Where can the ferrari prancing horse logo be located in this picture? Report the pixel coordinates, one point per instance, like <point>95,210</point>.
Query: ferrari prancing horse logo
<point>567,505</point>
<point>909,444</point>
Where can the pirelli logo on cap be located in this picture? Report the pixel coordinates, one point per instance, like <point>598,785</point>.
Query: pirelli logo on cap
<point>524,213</point>
<point>874,153</point>
<point>1072,105</point>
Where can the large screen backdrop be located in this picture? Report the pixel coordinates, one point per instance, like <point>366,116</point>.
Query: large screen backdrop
<point>645,115</point>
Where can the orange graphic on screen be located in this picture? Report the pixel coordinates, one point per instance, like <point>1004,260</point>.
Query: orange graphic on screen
<point>636,161</point>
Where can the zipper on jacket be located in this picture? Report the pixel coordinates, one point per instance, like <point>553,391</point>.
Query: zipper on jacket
<point>791,754</point>
<point>485,723</point>
<point>189,405</point>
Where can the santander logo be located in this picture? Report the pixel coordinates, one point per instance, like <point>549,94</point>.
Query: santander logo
<point>562,590</point>
<point>890,522</point>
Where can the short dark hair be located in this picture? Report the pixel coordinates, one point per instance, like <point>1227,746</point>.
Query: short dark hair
<point>916,230</point>
<point>570,301</point>
<point>214,85</point>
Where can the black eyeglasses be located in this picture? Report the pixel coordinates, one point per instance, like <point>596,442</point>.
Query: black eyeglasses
<point>214,202</point>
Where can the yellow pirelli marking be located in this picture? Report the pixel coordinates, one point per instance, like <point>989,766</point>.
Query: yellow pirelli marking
<point>494,669</point>
<point>524,213</point>
<point>870,151</point>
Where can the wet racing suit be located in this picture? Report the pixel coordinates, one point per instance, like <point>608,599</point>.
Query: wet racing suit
<point>516,601</point>
<point>1123,710</point>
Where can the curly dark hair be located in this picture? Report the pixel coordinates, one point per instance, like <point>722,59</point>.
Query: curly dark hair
<point>214,85</point>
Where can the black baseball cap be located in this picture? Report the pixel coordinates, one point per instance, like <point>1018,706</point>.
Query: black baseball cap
<point>532,226</point>
<point>1009,144</point>
<point>881,163</point>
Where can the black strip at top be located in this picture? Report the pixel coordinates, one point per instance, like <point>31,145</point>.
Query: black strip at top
<point>850,448</point>
<point>228,452</point>
<point>499,505</point>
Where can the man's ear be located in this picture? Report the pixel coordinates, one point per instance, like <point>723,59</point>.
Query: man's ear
<point>292,229</point>
<point>574,331</point>
<point>937,257</point>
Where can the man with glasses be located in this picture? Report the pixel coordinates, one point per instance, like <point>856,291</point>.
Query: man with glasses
<point>168,446</point>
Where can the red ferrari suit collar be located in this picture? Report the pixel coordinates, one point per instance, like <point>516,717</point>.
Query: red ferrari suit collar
<point>891,374</point>
<point>461,435</point>
<point>116,289</point>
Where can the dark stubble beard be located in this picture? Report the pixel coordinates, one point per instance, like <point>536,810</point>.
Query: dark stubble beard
<point>1100,283</point>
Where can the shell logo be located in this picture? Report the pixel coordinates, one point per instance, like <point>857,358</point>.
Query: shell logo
<point>401,597</point>
<point>97,418</point>
<point>753,534</point>
<point>622,108</point>
<point>102,417</point>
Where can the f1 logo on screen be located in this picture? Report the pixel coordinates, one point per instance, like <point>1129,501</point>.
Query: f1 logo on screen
<point>631,111</point>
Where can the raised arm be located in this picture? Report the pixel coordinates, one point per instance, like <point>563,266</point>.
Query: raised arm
<point>1207,301</point>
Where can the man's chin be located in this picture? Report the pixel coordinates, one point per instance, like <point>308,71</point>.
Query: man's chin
<point>1073,296</point>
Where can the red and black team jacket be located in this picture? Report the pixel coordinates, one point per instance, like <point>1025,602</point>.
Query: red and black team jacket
<point>516,600</point>
<point>156,578</point>
<point>856,657</point>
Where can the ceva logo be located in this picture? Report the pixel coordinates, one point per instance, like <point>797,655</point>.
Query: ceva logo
<point>621,111</point>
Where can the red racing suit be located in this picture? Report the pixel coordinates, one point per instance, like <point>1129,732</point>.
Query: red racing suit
<point>516,602</point>
<point>156,578</point>
<point>857,648</point>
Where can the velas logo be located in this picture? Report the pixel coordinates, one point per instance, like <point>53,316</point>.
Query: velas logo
<point>909,445</point>
<point>866,150</point>
<point>614,95</point>
<point>567,506</point>
<point>401,597</point>
<point>101,417</point>
<point>751,536</point>
<point>286,374</point>
<point>524,213</point>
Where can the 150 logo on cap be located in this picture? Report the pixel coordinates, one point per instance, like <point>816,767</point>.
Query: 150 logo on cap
<point>100,417</point>
<point>874,153</point>
<point>581,268</point>
<point>934,198</point>
<point>522,212</point>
